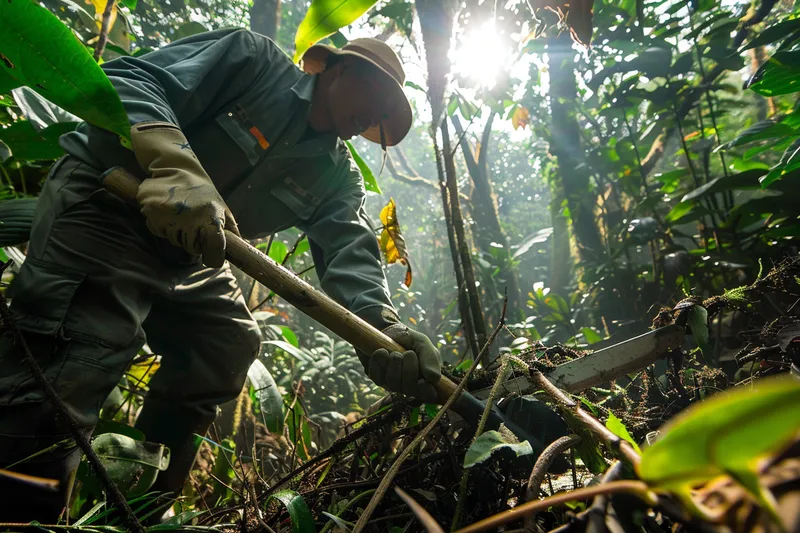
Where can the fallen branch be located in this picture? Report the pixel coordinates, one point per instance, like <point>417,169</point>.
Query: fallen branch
<point>616,444</point>
<point>81,439</point>
<point>637,488</point>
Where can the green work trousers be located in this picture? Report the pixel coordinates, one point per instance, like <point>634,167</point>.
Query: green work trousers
<point>96,285</point>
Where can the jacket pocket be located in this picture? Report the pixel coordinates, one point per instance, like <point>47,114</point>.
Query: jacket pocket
<point>302,202</point>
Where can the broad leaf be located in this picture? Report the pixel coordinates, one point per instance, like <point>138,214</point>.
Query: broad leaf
<point>39,112</point>
<point>730,433</point>
<point>39,51</point>
<point>299,513</point>
<point>392,242</point>
<point>269,397</point>
<point>370,183</point>
<point>698,322</point>
<point>491,442</point>
<point>520,118</point>
<point>749,179</point>
<point>324,18</point>
<point>779,75</point>
<point>616,427</point>
<point>25,143</point>
<point>132,464</point>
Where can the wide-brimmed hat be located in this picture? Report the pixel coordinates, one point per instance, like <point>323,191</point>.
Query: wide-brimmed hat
<point>397,124</point>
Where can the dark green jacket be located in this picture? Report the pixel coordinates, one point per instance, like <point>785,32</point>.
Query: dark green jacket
<point>243,106</point>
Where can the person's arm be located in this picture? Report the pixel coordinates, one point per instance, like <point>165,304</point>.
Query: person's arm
<point>348,263</point>
<point>165,92</point>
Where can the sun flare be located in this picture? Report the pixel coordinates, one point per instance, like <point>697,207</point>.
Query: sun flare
<point>480,55</point>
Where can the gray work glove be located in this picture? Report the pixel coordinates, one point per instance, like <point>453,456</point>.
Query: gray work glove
<point>413,372</point>
<point>179,200</point>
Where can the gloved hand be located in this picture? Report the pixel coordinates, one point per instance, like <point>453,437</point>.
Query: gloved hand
<point>413,372</point>
<point>179,199</point>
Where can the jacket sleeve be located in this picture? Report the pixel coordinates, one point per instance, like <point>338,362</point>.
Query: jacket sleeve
<point>184,80</point>
<point>346,253</point>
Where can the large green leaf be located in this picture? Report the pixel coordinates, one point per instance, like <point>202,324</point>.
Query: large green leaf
<point>26,143</point>
<point>779,75</point>
<point>616,427</point>
<point>749,179</point>
<point>726,434</point>
<point>39,51</point>
<point>773,33</point>
<point>299,513</point>
<point>370,183</point>
<point>132,464</point>
<point>491,442</point>
<point>324,18</point>
<point>269,397</point>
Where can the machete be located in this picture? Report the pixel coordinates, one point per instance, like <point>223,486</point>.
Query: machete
<point>603,365</point>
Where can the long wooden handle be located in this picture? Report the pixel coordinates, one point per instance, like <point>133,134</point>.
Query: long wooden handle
<point>291,288</point>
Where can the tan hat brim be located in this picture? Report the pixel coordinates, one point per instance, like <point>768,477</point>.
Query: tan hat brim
<point>397,125</point>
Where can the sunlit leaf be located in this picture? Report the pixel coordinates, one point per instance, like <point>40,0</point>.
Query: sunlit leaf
<point>730,433</point>
<point>698,322</point>
<point>521,118</point>
<point>591,336</point>
<point>299,513</point>
<point>99,8</point>
<point>392,242</point>
<point>324,18</point>
<point>39,51</point>
<point>616,427</point>
<point>779,75</point>
<point>269,397</point>
<point>370,182</point>
<point>491,442</point>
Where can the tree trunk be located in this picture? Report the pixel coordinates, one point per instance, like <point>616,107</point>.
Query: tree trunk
<point>461,239</point>
<point>766,106</point>
<point>483,206</point>
<point>566,146</point>
<point>265,16</point>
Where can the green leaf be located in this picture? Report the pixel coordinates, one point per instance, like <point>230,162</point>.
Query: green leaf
<point>730,433</point>
<point>489,443</point>
<point>324,18</point>
<point>28,144</point>
<point>766,129</point>
<point>370,183</point>
<point>698,322</point>
<point>290,349</point>
<point>278,251</point>
<point>774,33</point>
<point>132,464</point>
<point>269,397</point>
<point>779,75</point>
<point>616,427</point>
<point>749,179</point>
<point>40,112</point>
<point>416,86</point>
<point>591,336</point>
<point>289,335</point>
<point>302,520</point>
<point>679,211</point>
<point>42,53</point>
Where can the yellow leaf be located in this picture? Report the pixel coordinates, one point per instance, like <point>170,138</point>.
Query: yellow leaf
<point>412,320</point>
<point>691,136</point>
<point>392,242</point>
<point>477,150</point>
<point>143,371</point>
<point>99,7</point>
<point>520,118</point>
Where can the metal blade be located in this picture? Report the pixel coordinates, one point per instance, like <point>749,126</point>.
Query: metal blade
<point>603,365</point>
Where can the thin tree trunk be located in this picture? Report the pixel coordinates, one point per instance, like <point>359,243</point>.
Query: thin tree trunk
<point>566,146</point>
<point>461,239</point>
<point>463,297</point>
<point>265,17</point>
<point>766,106</point>
<point>487,228</point>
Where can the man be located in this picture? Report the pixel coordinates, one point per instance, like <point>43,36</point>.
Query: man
<point>225,129</point>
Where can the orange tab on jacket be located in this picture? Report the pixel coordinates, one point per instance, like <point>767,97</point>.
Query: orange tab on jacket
<point>262,141</point>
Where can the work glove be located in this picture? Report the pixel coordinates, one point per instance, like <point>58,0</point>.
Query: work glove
<point>179,200</point>
<point>413,372</point>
